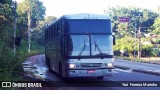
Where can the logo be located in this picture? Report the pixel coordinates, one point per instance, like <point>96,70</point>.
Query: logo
<point>6,84</point>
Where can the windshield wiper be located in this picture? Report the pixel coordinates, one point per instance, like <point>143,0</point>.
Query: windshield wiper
<point>80,53</point>
<point>96,46</point>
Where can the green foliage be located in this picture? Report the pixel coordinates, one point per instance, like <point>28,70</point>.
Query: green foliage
<point>127,43</point>
<point>35,6</point>
<point>155,52</point>
<point>5,1</point>
<point>35,49</point>
<point>126,31</point>
<point>8,58</point>
<point>137,16</point>
<point>38,34</point>
<point>156,26</point>
<point>37,14</point>
<point>6,55</point>
<point>10,64</point>
<point>146,50</point>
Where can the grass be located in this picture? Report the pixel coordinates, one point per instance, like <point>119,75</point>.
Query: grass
<point>146,60</point>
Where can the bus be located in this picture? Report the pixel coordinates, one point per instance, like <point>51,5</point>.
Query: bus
<point>80,45</point>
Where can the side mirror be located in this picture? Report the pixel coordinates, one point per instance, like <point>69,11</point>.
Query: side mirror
<point>114,40</point>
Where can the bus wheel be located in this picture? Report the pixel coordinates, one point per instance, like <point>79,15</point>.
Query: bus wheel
<point>48,63</point>
<point>60,72</point>
<point>60,69</point>
<point>100,77</point>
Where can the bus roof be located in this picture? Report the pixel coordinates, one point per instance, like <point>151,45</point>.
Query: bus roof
<point>86,16</point>
<point>81,16</point>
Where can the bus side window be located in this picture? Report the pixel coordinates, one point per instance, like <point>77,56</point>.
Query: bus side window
<point>48,33</point>
<point>55,30</point>
<point>45,35</point>
<point>114,40</point>
<point>59,29</point>
<point>62,26</point>
<point>51,33</point>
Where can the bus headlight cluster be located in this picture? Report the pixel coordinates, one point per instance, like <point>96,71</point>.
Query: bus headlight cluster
<point>73,65</point>
<point>108,64</point>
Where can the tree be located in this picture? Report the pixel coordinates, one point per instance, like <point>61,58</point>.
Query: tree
<point>6,24</point>
<point>37,14</point>
<point>6,1</point>
<point>7,60</point>
<point>36,7</point>
<point>126,44</point>
<point>156,26</point>
<point>146,20</point>
<point>38,34</point>
<point>125,35</point>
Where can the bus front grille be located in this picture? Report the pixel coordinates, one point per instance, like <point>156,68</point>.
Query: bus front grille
<point>91,64</point>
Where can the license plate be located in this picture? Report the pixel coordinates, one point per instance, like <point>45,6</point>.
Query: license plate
<point>91,71</point>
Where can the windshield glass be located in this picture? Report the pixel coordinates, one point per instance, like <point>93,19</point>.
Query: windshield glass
<point>79,41</point>
<point>103,43</point>
<point>82,44</point>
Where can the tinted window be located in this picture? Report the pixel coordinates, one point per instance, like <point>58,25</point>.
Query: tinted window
<point>89,26</point>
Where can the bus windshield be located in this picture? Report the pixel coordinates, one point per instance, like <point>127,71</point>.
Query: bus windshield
<point>89,26</point>
<point>85,45</point>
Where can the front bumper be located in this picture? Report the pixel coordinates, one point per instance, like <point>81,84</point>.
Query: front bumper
<point>85,73</point>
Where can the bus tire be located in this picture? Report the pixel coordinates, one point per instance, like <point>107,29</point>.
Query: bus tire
<point>60,70</point>
<point>48,63</point>
<point>100,77</point>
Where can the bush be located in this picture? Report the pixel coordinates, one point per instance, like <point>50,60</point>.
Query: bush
<point>154,53</point>
<point>10,64</point>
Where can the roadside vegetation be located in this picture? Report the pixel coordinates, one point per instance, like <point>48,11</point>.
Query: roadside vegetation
<point>147,26</point>
<point>10,62</point>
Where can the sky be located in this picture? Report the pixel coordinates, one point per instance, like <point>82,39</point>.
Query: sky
<point>58,8</point>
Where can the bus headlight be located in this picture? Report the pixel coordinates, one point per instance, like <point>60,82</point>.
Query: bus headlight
<point>110,64</point>
<point>71,65</point>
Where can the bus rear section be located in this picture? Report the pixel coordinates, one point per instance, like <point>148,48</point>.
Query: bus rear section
<point>89,48</point>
